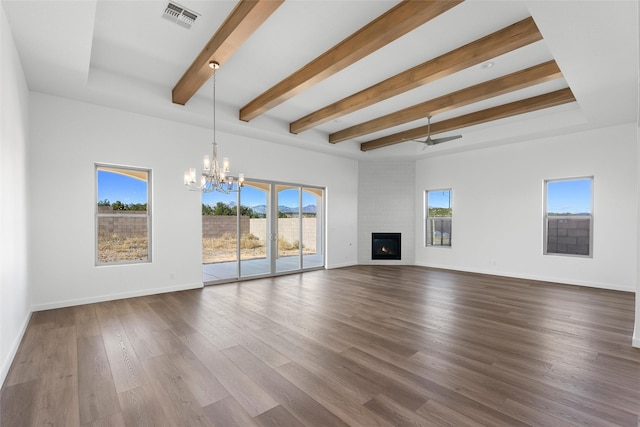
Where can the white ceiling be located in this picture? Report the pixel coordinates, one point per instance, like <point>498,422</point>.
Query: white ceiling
<point>124,54</point>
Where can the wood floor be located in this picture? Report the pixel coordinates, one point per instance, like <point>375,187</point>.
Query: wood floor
<point>359,346</point>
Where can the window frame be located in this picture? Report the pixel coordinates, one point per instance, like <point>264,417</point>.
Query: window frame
<point>427,217</point>
<point>98,215</point>
<point>546,216</point>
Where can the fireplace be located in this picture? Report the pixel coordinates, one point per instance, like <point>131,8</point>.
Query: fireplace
<point>386,245</point>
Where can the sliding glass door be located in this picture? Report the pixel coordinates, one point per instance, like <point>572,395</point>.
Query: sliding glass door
<point>277,229</point>
<point>312,227</point>
<point>255,229</point>
<point>219,237</point>
<point>288,228</point>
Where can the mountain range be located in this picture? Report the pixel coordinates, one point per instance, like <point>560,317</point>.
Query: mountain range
<point>262,209</point>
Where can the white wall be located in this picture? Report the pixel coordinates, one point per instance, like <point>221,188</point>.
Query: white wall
<point>498,207</point>
<point>636,329</point>
<point>15,303</point>
<point>69,137</point>
<point>386,204</point>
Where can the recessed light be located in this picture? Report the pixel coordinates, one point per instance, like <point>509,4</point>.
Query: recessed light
<point>488,65</point>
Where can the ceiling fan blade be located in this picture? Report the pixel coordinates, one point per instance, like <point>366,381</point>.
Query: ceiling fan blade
<point>423,141</point>
<point>428,142</point>
<point>445,139</point>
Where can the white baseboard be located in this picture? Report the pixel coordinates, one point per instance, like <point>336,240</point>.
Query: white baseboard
<point>347,264</point>
<point>6,363</point>
<point>111,297</point>
<point>608,286</point>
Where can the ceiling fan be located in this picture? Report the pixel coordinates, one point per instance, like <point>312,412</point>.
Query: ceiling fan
<point>429,141</point>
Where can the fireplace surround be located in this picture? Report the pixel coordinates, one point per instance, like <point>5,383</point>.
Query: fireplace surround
<point>386,245</point>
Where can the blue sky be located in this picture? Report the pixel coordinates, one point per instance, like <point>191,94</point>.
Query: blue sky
<point>566,196</point>
<point>254,197</point>
<point>114,187</point>
<point>439,199</point>
<point>572,196</point>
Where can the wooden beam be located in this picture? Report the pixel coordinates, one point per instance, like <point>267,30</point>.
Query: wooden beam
<point>406,16</point>
<point>505,40</point>
<point>520,79</point>
<point>243,20</point>
<point>551,99</point>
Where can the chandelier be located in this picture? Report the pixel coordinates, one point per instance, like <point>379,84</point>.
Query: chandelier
<point>215,177</point>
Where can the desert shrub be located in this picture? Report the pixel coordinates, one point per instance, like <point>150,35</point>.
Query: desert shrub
<point>115,248</point>
<point>226,241</point>
<point>250,241</point>
<point>224,249</point>
<point>285,245</point>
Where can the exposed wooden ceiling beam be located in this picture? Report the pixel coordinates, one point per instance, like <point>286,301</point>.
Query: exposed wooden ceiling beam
<point>520,79</point>
<point>505,40</point>
<point>243,20</point>
<point>551,99</point>
<point>396,22</point>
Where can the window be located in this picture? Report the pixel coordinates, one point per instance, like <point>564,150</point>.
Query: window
<point>438,218</point>
<point>568,217</point>
<point>122,215</point>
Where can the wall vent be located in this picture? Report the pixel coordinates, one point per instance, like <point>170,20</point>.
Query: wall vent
<point>180,15</point>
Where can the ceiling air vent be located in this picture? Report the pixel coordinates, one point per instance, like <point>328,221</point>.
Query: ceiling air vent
<point>180,15</point>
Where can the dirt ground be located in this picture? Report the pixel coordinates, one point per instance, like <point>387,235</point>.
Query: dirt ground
<point>115,249</point>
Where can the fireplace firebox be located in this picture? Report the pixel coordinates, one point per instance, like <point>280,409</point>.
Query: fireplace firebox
<point>386,245</point>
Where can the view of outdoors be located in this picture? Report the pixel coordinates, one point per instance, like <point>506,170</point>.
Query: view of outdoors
<point>438,227</point>
<point>568,216</point>
<point>122,215</point>
<point>122,222</point>
<point>569,197</point>
<point>219,243</point>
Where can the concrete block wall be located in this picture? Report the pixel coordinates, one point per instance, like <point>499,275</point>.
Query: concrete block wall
<point>124,227</point>
<point>214,226</point>
<point>288,228</point>
<point>132,224</point>
<point>125,224</point>
<point>568,236</point>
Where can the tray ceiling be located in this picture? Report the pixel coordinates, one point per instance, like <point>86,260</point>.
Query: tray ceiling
<point>558,67</point>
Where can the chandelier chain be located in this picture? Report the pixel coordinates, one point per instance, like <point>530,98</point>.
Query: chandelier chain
<point>214,104</point>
